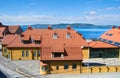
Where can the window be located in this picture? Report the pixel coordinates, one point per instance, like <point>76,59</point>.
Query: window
<point>37,42</point>
<point>26,42</point>
<point>109,41</point>
<point>5,50</point>
<point>74,66</point>
<point>65,66</point>
<point>116,43</point>
<point>38,52</point>
<point>68,36</point>
<point>44,68</point>
<point>104,40</point>
<point>23,54</point>
<point>104,53</point>
<point>55,36</point>
<point>34,53</point>
<point>57,67</point>
<point>27,54</point>
<point>57,54</point>
<point>110,34</point>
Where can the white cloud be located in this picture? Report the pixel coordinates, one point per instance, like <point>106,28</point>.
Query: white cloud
<point>39,19</point>
<point>92,13</point>
<point>113,8</point>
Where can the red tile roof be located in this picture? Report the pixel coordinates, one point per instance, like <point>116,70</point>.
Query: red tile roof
<point>112,34</point>
<point>8,39</point>
<point>2,29</point>
<point>13,29</point>
<point>99,44</point>
<point>71,53</point>
<point>71,46</point>
<point>17,43</point>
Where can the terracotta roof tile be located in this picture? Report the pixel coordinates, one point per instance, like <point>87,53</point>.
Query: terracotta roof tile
<point>48,44</point>
<point>73,53</point>
<point>13,29</point>
<point>26,37</point>
<point>115,34</point>
<point>99,44</point>
<point>8,39</point>
<point>2,29</point>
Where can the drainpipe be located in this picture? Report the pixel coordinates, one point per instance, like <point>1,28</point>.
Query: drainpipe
<point>119,53</point>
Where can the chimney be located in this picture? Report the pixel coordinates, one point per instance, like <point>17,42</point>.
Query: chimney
<point>118,27</point>
<point>68,27</point>
<point>29,27</point>
<point>49,27</point>
<point>113,27</point>
<point>1,23</point>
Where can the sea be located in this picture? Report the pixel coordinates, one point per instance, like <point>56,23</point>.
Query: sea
<point>88,33</point>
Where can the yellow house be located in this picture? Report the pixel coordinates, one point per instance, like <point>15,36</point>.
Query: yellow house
<point>14,48</point>
<point>61,51</point>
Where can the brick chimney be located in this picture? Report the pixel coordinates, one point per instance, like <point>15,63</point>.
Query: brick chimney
<point>49,27</point>
<point>113,27</point>
<point>29,27</point>
<point>1,23</point>
<point>68,27</point>
<point>118,27</point>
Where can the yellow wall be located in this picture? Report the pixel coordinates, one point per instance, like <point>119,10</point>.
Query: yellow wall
<point>7,53</point>
<point>16,54</point>
<point>100,69</point>
<point>85,52</point>
<point>52,67</point>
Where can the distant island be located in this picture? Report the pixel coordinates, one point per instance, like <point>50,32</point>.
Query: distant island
<point>89,31</point>
<point>73,25</point>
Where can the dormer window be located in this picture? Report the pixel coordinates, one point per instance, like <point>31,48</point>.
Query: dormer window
<point>37,42</point>
<point>68,36</point>
<point>57,54</point>
<point>55,36</point>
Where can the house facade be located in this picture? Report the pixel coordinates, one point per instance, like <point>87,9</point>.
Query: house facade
<point>61,51</point>
<point>108,45</point>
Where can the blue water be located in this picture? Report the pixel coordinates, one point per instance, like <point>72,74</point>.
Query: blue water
<point>91,33</point>
<point>87,33</point>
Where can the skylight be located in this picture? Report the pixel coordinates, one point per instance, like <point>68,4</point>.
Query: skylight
<point>109,41</point>
<point>108,34</point>
<point>116,43</point>
<point>104,40</point>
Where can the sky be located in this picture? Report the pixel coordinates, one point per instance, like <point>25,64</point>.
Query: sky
<point>98,12</point>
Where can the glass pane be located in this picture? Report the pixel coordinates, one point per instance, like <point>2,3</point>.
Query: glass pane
<point>65,66</point>
<point>27,54</point>
<point>23,54</point>
<point>74,66</point>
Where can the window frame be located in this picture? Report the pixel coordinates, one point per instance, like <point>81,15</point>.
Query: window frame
<point>38,52</point>
<point>27,53</point>
<point>57,67</point>
<point>55,36</point>
<point>5,50</point>
<point>34,53</point>
<point>74,66</point>
<point>66,66</point>
<point>23,53</point>
<point>68,35</point>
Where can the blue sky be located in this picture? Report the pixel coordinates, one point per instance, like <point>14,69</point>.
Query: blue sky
<point>100,12</point>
